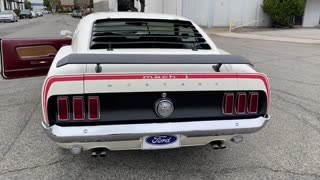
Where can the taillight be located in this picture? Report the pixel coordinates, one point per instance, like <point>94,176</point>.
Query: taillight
<point>253,103</point>
<point>94,108</point>
<point>241,103</point>
<point>78,108</point>
<point>63,108</point>
<point>228,103</point>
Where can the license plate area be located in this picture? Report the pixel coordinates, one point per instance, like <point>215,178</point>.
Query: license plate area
<point>161,142</point>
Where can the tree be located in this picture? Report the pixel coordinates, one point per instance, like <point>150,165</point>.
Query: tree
<point>76,4</point>
<point>27,5</point>
<point>51,4</point>
<point>46,4</point>
<point>282,12</point>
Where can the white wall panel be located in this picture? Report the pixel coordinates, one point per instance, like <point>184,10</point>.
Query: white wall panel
<point>312,13</point>
<point>221,13</point>
<point>170,6</point>
<point>262,17</point>
<point>153,6</point>
<point>241,12</point>
<point>196,10</point>
<point>105,5</point>
<point>2,5</point>
<point>162,6</point>
<point>212,12</point>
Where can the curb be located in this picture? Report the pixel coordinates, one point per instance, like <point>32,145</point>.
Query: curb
<point>266,38</point>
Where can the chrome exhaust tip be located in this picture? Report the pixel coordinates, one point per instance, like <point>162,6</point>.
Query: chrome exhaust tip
<point>99,152</point>
<point>95,153</point>
<point>103,153</point>
<point>218,145</point>
<point>223,145</point>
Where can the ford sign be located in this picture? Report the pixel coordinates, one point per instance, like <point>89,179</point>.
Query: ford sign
<point>161,140</point>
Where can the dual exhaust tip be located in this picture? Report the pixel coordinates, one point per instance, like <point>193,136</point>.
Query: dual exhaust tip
<point>220,144</point>
<point>216,145</point>
<point>99,152</point>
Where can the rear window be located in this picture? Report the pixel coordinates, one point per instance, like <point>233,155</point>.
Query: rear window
<point>142,33</point>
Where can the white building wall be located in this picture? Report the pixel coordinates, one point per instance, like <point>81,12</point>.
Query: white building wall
<point>105,5</point>
<point>311,16</point>
<point>244,12</point>
<point>196,10</point>
<point>162,6</point>
<point>152,6</point>
<point>2,5</point>
<point>212,12</point>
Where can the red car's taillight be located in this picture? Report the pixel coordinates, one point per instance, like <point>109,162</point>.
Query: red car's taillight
<point>63,108</point>
<point>78,108</point>
<point>253,103</point>
<point>228,103</point>
<point>94,108</point>
<point>240,105</point>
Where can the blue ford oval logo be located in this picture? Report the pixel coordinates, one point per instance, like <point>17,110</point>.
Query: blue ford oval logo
<point>161,140</point>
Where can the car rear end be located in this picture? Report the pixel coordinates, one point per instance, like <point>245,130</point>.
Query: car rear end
<point>7,17</point>
<point>117,111</point>
<point>25,14</point>
<point>178,93</point>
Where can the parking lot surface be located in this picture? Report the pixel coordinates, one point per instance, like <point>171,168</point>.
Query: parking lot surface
<point>288,148</point>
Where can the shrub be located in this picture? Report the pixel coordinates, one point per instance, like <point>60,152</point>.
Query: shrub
<point>283,11</point>
<point>17,11</point>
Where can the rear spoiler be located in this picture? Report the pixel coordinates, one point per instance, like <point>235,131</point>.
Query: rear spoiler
<point>216,60</point>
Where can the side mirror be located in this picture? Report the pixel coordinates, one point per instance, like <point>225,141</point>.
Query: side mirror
<point>66,33</point>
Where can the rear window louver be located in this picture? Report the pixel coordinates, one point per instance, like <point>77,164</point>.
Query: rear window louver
<point>146,33</point>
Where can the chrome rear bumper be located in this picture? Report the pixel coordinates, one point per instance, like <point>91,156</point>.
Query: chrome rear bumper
<point>136,131</point>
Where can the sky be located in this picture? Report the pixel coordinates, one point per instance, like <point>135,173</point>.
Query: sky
<point>36,1</point>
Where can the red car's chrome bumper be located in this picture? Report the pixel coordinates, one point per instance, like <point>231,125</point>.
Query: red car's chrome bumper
<point>136,131</point>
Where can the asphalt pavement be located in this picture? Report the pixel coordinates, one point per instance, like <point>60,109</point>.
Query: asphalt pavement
<point>288,148</point>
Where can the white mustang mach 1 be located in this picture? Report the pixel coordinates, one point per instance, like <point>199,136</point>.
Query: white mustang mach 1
<point>130,81</point>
